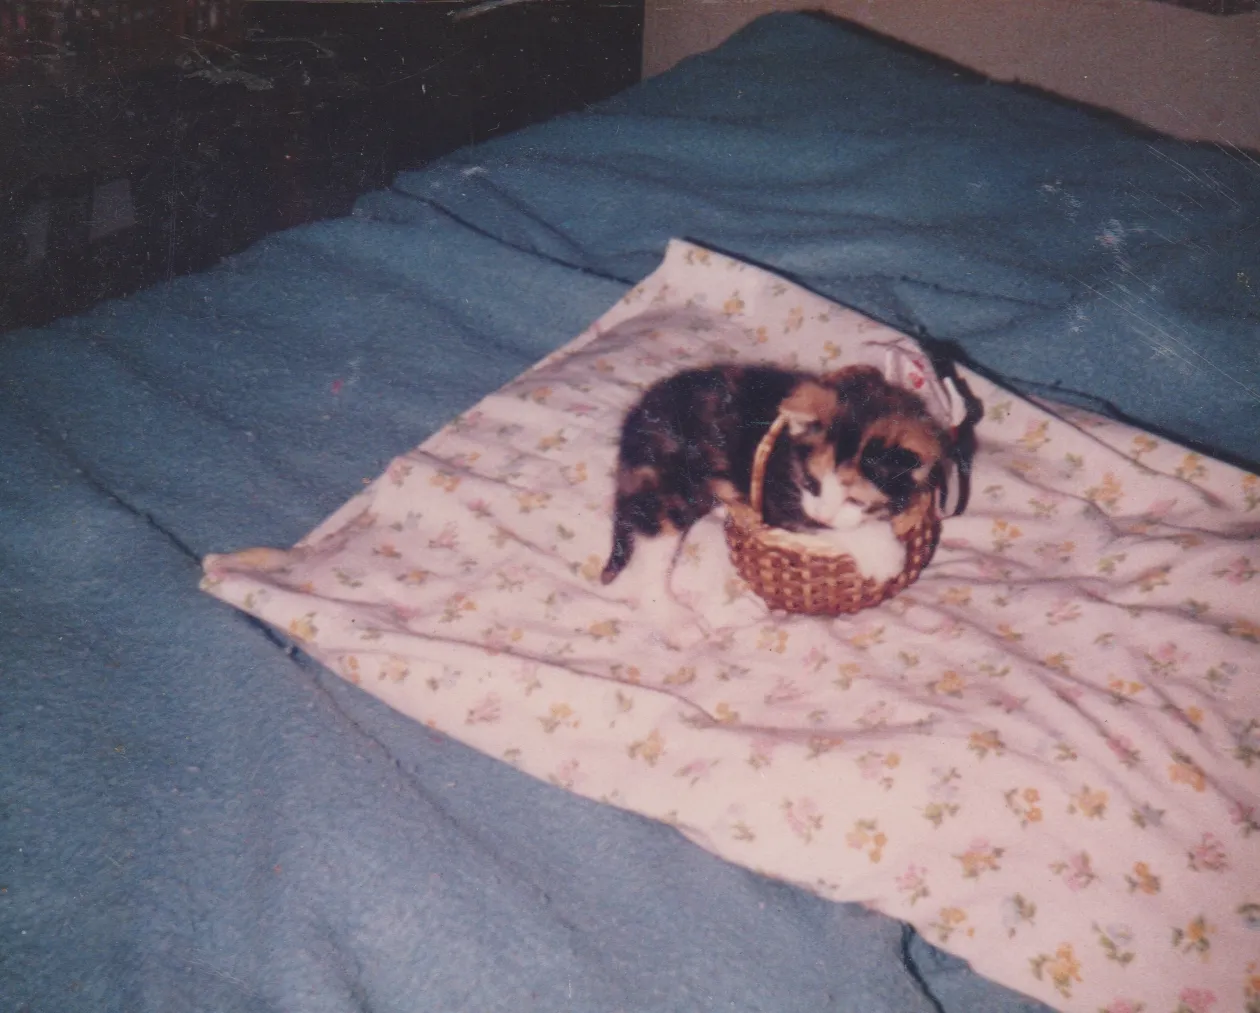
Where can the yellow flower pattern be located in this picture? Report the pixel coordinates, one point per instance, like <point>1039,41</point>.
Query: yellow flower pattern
<point>1061,968</point>
<point>1043,754</point>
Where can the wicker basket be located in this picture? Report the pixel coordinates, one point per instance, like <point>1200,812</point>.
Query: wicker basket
<point>790,578</point>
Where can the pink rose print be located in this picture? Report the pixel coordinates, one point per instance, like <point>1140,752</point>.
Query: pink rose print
<point>877,715</point>
<point>1237,572</point>
<point>1209,855</point>
<point>912,879</point>
<point>950,629</point>
<point>696,770</point>
<point>448,538</point>
<point>913,883</point>
<point>803,817</point>
<point>945,787</point>
<point>568,775</point>
<point>1166,658</point>
<point>762,752</point>
<point>1123,1006</point>
<point>1124,749</point>
<point>406,613</point>
<point>1007,702</point>
<point>1064,611</point>
<point>783,691</point>
<point>1196,1000</point>
<point>1069,694</point>
<point>1246,817</point>
<point>1160,509</point>
<point>990,569</point>
<point>485,712</point>
<point>1077,872</point>
<point>872,766</point>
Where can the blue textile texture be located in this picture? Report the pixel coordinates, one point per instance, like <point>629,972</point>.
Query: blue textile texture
<point>195,817</point>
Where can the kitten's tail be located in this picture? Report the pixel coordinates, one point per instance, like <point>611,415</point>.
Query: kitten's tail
<point>622,548</point>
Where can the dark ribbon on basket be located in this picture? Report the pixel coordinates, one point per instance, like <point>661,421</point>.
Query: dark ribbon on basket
<point>961,447</point>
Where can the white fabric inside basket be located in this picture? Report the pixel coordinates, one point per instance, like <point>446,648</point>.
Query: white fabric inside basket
<point>1045,754</point>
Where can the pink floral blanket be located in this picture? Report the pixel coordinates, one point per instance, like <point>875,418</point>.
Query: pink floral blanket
<point>1045,755</point>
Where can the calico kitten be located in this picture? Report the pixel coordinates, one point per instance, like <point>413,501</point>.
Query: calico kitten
<point>855,449</point>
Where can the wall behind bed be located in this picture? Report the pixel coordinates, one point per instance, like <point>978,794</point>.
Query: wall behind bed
<point>1187,73</point>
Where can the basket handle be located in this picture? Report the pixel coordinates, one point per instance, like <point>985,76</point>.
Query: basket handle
<point>760,459</point>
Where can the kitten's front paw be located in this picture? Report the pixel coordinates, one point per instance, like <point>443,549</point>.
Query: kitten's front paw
<point>848,515</point>
<point>877,552</point>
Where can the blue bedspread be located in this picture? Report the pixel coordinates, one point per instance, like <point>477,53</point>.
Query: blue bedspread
<point>193,817</point>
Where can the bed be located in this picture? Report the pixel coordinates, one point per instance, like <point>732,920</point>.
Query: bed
<point>198,814</point>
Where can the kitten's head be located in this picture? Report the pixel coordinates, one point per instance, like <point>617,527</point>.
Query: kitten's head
<point>885,447</point>
<point>897,458</point>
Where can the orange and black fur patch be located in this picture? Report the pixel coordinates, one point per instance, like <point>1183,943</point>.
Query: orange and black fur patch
<point>689,443</point>
<point>899,446</point>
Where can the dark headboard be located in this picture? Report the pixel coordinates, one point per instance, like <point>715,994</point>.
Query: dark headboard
<point>155,136</point>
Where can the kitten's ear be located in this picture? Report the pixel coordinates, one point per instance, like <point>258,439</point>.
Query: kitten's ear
<point>809,409</point>
<point>859,379</point>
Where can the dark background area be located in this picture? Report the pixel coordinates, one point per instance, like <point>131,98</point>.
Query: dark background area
<point>144,140</point>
